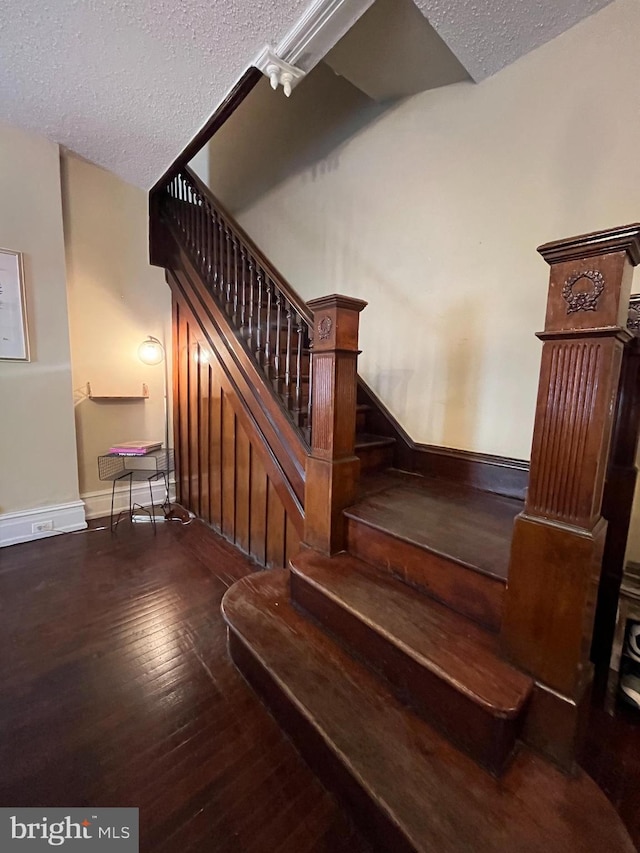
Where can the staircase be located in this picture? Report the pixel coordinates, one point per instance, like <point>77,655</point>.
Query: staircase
<point>384,666</point>
<point>380,645</point>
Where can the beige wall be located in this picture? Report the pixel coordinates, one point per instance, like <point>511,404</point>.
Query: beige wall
<point>433,213</point>
<point>115,300</point>
<point>37,437</point>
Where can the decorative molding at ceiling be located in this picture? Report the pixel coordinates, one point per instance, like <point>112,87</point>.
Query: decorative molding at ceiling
<point>321,26</point>
<point>318,30</point>
<point>279,72</point>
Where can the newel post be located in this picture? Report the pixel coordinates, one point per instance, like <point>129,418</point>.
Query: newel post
<point>332,467</point>
<point>558,540</point>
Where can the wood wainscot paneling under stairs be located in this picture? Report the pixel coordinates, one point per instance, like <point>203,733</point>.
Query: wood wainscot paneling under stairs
<point>431,667</point>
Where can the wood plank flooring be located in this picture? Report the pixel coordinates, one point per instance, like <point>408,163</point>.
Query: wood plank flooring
<point>116,689</point>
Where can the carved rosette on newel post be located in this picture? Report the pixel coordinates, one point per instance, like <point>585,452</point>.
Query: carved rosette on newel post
<point>332,466</point>
<point>558,540</point>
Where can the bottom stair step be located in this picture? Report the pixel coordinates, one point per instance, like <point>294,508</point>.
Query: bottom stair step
<point>406,786</point>
<point>442,664</point>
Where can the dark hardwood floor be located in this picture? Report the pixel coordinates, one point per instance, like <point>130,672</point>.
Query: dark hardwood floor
<point>117,689</point>
<point>611,752</point>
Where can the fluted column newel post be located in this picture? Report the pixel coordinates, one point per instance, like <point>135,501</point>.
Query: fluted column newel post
<point>558,540</point>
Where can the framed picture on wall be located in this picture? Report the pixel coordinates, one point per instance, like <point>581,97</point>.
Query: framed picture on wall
<point>14,337</point>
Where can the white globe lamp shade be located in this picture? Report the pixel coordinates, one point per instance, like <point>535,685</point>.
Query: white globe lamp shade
<point>151,351</point>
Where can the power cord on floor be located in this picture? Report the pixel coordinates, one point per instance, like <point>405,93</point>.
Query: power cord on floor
<point>190,517</point>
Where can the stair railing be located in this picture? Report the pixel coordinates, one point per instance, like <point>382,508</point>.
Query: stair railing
<point>316,384</point>
<point>272,321</point>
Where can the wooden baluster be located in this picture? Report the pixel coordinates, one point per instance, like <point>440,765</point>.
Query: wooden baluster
<point>228,260</point>
<point>258,315</point>
<point>268,320</point>
<point>194,224</point>
<point>187,215</point>
<point>224,236</point>
<point>196,228</point>
<point>276,358</point>
<point>203,236</point>
<point>309,423</point>
<point>198,203</point>
<point>558,540</point>
<point>332,468</point>
<point>287,356</point>
<point>617,503</point>
<point>243,299</point>
<point>251,286</point>
<point>209,213</point>
<point>217,240</point>
<point>180,205</point>
<point>236,281</point>
<point>298,374</point>
<point>183,209</point>
<point>192,220</point>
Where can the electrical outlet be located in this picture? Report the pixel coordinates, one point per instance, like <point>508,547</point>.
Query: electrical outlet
<point>42,526</point>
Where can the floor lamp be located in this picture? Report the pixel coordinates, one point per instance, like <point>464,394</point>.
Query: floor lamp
<point>152,352</point>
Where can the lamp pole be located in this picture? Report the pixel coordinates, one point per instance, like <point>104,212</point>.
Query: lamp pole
<point>152,351</point>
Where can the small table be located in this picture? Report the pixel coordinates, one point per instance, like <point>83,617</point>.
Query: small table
<point>115,468</point>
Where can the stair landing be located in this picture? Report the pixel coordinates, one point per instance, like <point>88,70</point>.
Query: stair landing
<point>404,781</point>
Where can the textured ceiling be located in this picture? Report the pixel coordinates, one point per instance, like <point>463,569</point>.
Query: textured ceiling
<point>487,35</point>
<point>128,84</point>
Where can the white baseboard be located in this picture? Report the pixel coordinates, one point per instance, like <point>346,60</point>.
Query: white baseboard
<point>17,527</point>
<point>98,504</point>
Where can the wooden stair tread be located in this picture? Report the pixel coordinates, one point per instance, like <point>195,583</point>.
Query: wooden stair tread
<point>434,796</point>
<point>366,441</point>
<point>463,524</point>
<point>457,649</point>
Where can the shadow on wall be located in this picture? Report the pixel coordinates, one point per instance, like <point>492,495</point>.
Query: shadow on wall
<point>462,368</point>
<point>394,385</point>
<point>450,386</point>
<point>272,137</point>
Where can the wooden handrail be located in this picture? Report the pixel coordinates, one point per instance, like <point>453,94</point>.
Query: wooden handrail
<point>236,96</point>
<point>299,304</point>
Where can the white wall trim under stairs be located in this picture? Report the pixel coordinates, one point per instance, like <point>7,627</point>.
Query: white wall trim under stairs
<point>98,504</point>
<point>18,526</point>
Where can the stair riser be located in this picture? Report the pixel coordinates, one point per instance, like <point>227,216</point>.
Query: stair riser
<point>374,458</point>
<point>488,739</point>
<point>332,771</point>
<point>468,592</point>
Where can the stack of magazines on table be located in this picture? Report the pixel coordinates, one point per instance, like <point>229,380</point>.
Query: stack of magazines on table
<point>135,448</point>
